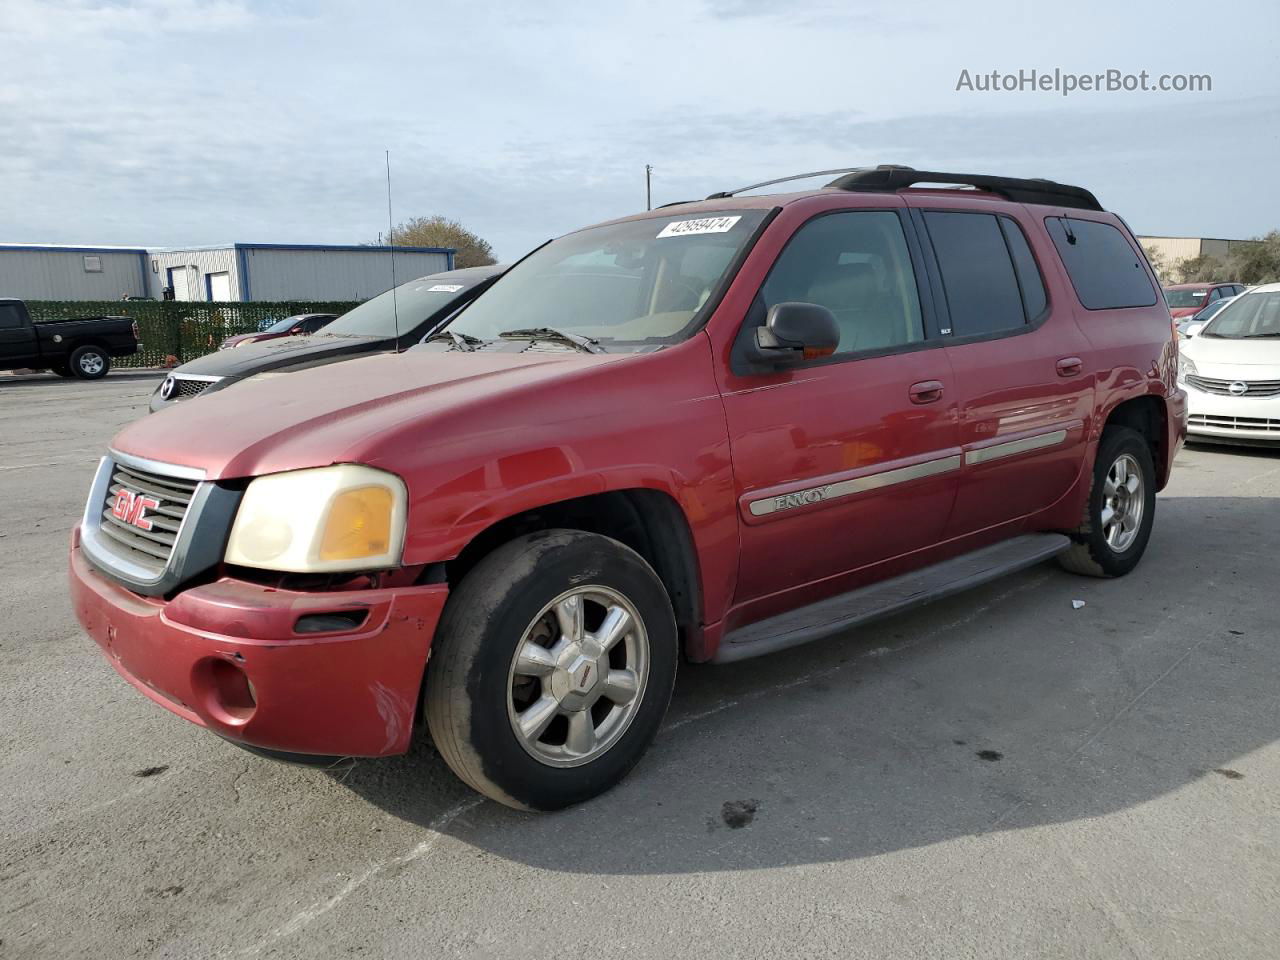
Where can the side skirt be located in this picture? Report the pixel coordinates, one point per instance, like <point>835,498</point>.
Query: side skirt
<point>894,595</point>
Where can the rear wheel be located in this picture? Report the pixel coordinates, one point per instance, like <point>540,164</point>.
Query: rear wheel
<point>552,669</point>
<point>89,362</point>
<point>1121,509</point>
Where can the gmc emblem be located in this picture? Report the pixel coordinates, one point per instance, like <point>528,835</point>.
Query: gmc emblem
<point>132,508</point>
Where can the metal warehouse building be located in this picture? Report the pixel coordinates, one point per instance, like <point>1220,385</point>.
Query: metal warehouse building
<point>57,272</point>
<point>280,271</point>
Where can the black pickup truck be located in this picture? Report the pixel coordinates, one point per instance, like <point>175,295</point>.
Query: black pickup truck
<point>80,347</point>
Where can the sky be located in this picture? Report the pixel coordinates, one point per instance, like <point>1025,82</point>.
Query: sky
<point>154,123</point>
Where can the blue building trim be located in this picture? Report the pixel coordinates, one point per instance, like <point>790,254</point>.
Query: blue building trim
<point>50,248</point>
<point>340,248</point>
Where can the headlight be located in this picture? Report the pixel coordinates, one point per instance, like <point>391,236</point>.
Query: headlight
<point>1186,367</point>
<point>345,517</point>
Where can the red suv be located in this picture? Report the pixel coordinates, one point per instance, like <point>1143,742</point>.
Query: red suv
<point>710,431</point>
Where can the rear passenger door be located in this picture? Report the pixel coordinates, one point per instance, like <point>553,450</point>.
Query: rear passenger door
<point>1022,381</point>
<point>18,342</point>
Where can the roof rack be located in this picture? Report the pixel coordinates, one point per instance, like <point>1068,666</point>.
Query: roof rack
<point>888,178</point>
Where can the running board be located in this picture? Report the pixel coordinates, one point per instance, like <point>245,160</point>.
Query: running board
<point>889,596</point>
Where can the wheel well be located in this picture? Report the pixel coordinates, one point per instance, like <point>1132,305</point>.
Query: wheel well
<point>650,522</point>
<point>76,344</point>
<point>1147,416</point>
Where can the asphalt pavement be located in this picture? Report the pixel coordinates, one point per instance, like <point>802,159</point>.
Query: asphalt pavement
<point>1002,774</point>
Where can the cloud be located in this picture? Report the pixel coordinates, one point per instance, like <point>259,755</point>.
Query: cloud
<point>120,19</point>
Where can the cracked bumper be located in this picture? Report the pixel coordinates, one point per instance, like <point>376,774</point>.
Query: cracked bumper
<point>226,656</point>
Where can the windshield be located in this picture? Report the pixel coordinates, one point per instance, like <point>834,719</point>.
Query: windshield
<point>415,302</point>
<point>282,326</point>
<point>1249,316</point>
<point>1185,298</point>
<point>640,282</point>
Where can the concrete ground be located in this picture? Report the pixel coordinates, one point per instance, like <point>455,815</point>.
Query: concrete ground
<point>999,775</point>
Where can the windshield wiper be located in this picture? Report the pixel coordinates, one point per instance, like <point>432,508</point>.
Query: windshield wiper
<point>1260,336</point>
<point>585,344</point>
<point>462,341</point>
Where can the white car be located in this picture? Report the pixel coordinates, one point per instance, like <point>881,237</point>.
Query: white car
<point>1231,371</point>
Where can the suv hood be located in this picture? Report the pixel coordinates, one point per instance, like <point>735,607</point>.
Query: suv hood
<point>349,412</point>
<point>252,358</point>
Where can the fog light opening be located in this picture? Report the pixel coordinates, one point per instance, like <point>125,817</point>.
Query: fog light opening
<point>229,695</point>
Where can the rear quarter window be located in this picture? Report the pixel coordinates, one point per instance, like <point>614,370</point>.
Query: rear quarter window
<point>1105,270</point>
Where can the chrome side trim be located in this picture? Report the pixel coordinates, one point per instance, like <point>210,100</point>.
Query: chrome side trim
<point>157,466</point>
<point>847,488</point>
<point>999,450</point>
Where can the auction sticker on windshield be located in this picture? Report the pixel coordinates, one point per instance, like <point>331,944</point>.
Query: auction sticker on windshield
<point>445,288</point>
<point>684,228</point>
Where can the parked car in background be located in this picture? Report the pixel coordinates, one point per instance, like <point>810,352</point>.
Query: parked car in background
<point>714,431</point>
<point>1190,326</point>
<point>1231,372</point>
<point>387,322</point>
<point>1185,299</point>
<point>82,347</point>
<point>297,326</point>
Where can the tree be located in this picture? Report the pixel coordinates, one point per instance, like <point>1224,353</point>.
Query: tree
<point>1202,269</point>
<point>1160,265</point>
<point>440,231</point>
<point>1256,262</point>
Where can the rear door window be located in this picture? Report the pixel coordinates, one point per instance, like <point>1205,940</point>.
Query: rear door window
<point>978,275</point>
<point>1105,270</point>
<point>10,319</point>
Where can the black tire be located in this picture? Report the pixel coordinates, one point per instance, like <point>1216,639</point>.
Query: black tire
<point>89,362</point>
<point>1090,553</point>
<point>468,682</point>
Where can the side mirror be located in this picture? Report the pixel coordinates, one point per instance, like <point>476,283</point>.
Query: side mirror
<point>297,331</point>
<point>793,332</point>
<point>1193,329</point>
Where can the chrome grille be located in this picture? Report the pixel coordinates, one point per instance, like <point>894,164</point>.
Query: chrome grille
<point>1253,388</point>
<point>1267,424</point>
<point>151,547</point>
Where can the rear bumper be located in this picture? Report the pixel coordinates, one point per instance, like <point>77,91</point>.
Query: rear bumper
<point>226,656</point>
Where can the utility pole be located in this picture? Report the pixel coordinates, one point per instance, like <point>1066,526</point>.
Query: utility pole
<point>648,191</point>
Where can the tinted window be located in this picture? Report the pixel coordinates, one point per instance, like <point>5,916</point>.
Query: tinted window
<point>977,273</point>
<point>857,266</point>
<point>1034,299</point>
<point>9,317</point>
<point>1215,294</point>
<point>1105,270</point>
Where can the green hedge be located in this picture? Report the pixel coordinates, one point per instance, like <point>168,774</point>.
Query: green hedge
<point>178,329</point>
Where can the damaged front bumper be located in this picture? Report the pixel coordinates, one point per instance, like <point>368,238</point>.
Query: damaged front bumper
<point>231,656</point>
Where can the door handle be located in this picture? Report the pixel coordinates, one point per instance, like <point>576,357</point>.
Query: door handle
<point>1070,366</point>
<point>926,391</point>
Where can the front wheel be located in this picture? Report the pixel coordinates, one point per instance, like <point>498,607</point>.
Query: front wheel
<point>89,362</point>
<point>1121,509</point>
<point>551,669</point>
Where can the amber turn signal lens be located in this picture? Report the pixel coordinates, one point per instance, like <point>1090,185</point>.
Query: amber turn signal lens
<point>358,525</point>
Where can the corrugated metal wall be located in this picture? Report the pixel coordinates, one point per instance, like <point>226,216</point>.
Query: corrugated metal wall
<point>195,265</point>
<point>282,274</point>
<point>54,274</point>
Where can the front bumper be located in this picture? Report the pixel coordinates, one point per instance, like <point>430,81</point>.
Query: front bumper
<point>227,656</point>
<point>1233,419</point>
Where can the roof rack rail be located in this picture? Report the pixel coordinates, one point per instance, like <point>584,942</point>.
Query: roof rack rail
<point>890,178</point>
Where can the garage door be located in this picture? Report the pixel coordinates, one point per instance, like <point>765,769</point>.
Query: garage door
<point>219,287</point>
<point>178,280</point>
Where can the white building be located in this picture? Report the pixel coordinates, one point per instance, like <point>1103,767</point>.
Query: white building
<point>281,271</point>
<point>48,271</point>
<point>233,271</point>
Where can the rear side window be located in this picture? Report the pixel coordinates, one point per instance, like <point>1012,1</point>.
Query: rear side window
<point>982,290</point>
<point>1105,270</point>
<point>1034,299</point>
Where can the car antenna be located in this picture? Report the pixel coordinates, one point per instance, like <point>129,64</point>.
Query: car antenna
<point>391,241</point>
